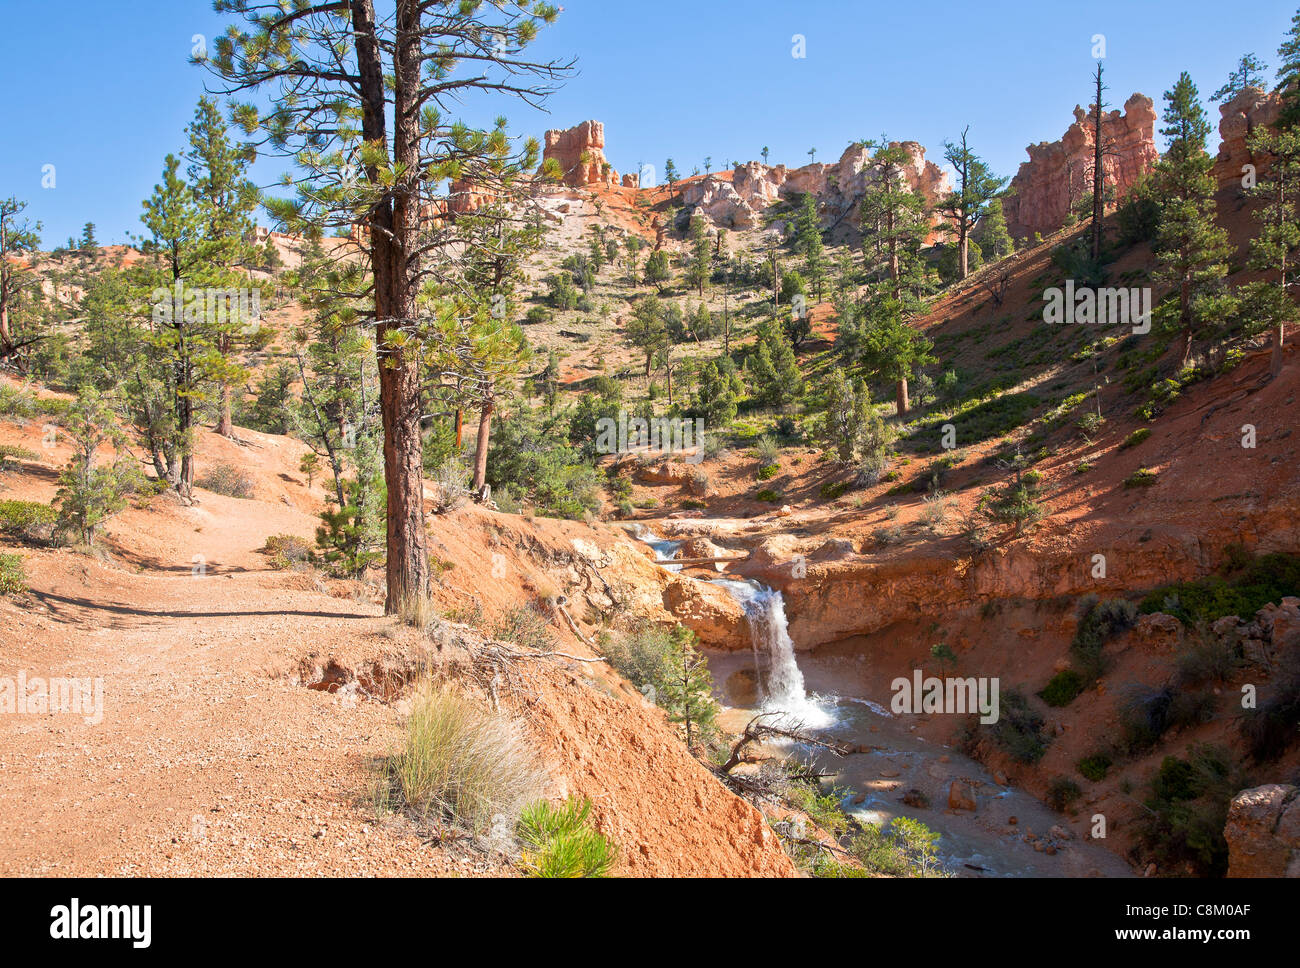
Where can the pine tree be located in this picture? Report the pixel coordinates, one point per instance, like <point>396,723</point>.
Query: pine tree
<point>808,243</point>
<point>657,271</point>
<point>646,329</point>
<point>225,198</point>
<point>687,692</point>
<point>90,493</point>
<point>179,354</point>
<point>965,206</point>
<point>701,323</point>
<point>773,367</point>
<point>891,349</point>
<point>1288,74</point>
<point>1249,72</point>
<point>1098,168</point>
<point>700,268</point>
<point>1191,248</point>
<point>356,92</point>
<point>994,239</point>
<point>892,216</point>
<point>18,239</point>
<point>714,397</point>
<point>1273,251</point>
<point>849,422</point>
<point>88,241</point>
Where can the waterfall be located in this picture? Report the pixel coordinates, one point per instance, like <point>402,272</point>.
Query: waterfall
<point>783,689</point>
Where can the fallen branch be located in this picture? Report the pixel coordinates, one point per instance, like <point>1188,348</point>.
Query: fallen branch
<point>756,730</point>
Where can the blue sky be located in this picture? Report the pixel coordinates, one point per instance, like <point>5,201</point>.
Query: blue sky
<point>103,90</point>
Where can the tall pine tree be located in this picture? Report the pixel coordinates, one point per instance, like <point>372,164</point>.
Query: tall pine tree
<point>1192,250</point>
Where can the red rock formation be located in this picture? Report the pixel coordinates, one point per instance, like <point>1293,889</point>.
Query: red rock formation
<point>1252,108</point>
<point>838,187</point>
<point>1058,173</point>
<point>1263,832</point>
<point>631,181</point>
<point>580,153</point>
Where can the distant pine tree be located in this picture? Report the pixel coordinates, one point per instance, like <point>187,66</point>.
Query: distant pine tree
<point>1190,246</point>
<point>1249,72</point>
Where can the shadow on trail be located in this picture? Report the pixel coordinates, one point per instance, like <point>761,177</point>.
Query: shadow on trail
<point>53,603</point>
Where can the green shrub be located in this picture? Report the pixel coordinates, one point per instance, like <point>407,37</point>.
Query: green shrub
<point>287,550</point>
<point>13,577</point>
<point>1062,792</point>
<point>1142,477</point>
<point>1063,688</point>
<point>1094,767</point>
<point>27,520</point>
<point>560,842</point>
<point>768,472</point>
<point>523,625</point>
<point>10,454</point>
<point>833,489</point>
<point>1019,730</point>
<point>767,450</point>
<point>769,495</point>
<point>904,848</point>
<point>1188,810</point>
<point>1100,622</point>
<point>461,763</point>
<point>1090,423</point>
<point>226,479</point>
<point>1135,438</point>
<point>1241,589</point>
<point>1143,717</point>
<point>640,656</point>
<point>1272,729</point>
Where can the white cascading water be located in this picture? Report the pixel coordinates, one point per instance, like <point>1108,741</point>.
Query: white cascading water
<point>784,689</point>
<point>765,613</point>
<point>664,548</point>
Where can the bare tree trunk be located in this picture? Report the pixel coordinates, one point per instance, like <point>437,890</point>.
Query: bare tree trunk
<point>902,402</point>
<point>1279,335</point>
<point>1098,178</point>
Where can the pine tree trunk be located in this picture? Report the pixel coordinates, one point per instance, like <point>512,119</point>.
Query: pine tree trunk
<point>224,426</point>
<point>1279,335</point>
<point>6,340</point>
<point>392,238</point>
<point>902,401</point>
<point>481,446</point>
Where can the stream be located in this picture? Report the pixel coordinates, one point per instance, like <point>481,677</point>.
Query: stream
<point>895,773</point>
